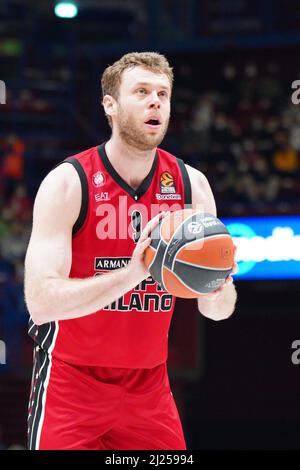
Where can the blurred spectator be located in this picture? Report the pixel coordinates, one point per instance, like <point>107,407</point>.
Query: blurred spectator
<point>285,158</point>
<point>13,164</point>
<point>13,313</point>
<point>260,185</point>
<point>269,86</point>
<point>248,83</point>
<point>14,243</point>
<point>203,114</point>
<point>19,206</point>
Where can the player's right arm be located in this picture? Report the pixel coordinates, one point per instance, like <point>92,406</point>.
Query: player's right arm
<point>49,292</point>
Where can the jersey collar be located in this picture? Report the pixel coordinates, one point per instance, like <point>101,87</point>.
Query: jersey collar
<point>134,193</point>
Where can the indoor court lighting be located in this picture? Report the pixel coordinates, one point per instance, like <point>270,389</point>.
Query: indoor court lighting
<point>66,10</point>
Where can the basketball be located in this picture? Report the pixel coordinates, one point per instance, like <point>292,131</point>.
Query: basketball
<point>191,253</point>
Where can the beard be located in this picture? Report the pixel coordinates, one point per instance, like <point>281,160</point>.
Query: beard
<point>135,137</point>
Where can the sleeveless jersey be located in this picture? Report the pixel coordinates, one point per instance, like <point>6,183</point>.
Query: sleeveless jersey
<point>132,332</point>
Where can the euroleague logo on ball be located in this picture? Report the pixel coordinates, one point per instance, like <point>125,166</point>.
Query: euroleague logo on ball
<point>98,179</point>
<point>195,228</point>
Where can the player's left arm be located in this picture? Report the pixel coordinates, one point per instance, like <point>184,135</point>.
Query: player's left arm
<point>220,304</point>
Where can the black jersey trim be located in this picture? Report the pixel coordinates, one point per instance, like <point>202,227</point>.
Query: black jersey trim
<point>36,408</point>
<point>186,183</point>
<point>84,194</point>
<point>134,193</point>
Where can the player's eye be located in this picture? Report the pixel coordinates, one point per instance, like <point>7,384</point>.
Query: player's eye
<point>141,91</point>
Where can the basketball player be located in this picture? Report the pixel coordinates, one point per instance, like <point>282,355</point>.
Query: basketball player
<point>99,322</point>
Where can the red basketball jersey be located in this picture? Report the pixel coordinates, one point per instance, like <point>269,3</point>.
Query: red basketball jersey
<point>132,332</point>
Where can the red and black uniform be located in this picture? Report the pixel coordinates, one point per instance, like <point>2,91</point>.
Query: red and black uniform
<point>100,381</point>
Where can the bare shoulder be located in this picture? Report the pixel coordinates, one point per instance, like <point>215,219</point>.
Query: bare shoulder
<point>59,196</point>
<point>62,178</point>
<point>202,195</point>
<point>196,176</point>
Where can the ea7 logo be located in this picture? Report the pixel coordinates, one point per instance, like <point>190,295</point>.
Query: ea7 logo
<point>2,92</point>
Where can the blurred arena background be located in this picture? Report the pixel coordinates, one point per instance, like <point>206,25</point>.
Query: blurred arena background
<point>236,382</point>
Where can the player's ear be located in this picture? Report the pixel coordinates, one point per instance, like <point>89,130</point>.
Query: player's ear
<point>109,105</point>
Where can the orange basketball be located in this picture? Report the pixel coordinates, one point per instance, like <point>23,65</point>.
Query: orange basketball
<point>191,253</point>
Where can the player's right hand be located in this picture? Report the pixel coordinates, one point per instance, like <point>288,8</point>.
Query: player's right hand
<point>137,266</point>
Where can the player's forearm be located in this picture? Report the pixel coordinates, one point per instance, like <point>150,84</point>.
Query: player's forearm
<point>62,299</point>
<point>220,308</point>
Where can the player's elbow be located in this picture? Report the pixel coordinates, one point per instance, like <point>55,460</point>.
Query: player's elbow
<point>34,304</point>
<point>37,320</point>
<point>34,310</point>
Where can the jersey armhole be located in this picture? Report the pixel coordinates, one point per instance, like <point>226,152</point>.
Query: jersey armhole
<point>186,183</point>
<point>84,194</point>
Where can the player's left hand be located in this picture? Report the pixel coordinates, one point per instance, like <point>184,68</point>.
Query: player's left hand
<point>229,280</point>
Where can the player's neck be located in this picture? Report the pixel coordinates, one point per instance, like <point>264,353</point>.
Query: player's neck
<point>132,164</point>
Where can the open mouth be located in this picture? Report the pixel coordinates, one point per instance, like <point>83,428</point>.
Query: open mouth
<point>153,123</point>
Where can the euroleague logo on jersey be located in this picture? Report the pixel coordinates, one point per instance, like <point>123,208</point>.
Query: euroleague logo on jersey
<point>167,183</point>
<point>98,179</point>
<point>167,187</point>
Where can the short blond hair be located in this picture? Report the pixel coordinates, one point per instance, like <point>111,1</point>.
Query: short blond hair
<point>112,75</point>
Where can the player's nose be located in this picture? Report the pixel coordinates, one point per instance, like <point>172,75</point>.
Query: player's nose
<point>154,100</point>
